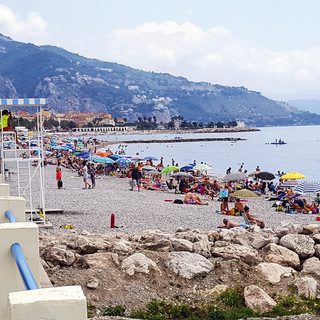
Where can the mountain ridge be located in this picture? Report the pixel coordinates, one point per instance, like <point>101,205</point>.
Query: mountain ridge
<point>71,81</point>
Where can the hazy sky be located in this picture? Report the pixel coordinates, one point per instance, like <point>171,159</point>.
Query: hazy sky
<point>271,46</point>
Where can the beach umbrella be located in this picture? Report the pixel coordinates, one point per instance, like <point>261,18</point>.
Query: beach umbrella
<point>235,176</point>
<point>83,153</point>
<point>308,187</point>
<point>148,168</point>
<point>202,167</point>
<point>170,169</point>
<point>153,172</point>
<point>253,173</point>
<point>187,167</point>
<point>292,176</point>
<point>102,159</point>
<point>103,154</point>
<point>244,193</point>
<point>123,161</point>
<point>264,175</point>
<point>114,157</point>
<point>181,175</point>
<point>151,158</point>
<point>289,184</point>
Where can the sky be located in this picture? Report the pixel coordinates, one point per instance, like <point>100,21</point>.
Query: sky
<point>270,46</point>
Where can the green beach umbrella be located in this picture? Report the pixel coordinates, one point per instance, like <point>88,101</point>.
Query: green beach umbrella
<point>169,169</point>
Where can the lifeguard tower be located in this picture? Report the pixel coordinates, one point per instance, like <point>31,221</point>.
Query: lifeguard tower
<point>23,166</point>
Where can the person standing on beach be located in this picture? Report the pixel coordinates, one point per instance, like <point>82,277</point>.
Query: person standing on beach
<point>136,176</point>
<point>85,175</point>
<point>59,175</point>
<point>91,172</point>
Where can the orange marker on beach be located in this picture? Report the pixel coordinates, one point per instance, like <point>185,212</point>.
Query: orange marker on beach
<point>112,220</point>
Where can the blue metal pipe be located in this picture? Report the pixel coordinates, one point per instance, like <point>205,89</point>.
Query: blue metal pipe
<point>10,216</point>
<point>26,274</point>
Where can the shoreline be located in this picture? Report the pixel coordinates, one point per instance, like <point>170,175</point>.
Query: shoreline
<point>157,131</point>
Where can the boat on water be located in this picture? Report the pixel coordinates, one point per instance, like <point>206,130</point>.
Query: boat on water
<point>278,143</point>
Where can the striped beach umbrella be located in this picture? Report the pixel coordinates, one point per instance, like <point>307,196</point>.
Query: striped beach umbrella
<point>308,187</point>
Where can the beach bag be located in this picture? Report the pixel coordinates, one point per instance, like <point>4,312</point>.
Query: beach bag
<point>179,201</point>
<point>234,212</point>
<point>131,183</point>
<point>315,210</point>
<point>279,208</point>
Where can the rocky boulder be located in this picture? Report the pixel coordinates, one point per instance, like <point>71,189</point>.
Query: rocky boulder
<point>280,255</point>
<point>188,265</point>
<point>273,271</point>
<point>299,243</point>
<point>306,287</point>
<point>258,300</point>
<point>244,253</point>
<point>311,266</point>
<point>138,262</point>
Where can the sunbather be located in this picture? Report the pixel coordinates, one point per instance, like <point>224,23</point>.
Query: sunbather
<point>260,223</point>
<point>228,224</point>
<point>192,198</point>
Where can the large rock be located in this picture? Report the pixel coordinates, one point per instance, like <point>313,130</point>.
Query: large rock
<point>310,229</point>
<point>203,248</point>
<point>258,300</point>
<point>244,253</point>
<point>287,228</point>
<point>317,250</point>
<point>306,287</point>
<point>59,255</point>
<point>181,244</point>
<point>138,262</point>
<point>188,265</point>
<point>162,245</point>
<point>273,271</point>
<point>312,266</point>
<point>99,260</point>
<point>299,243</point>
<point>280,255</point>
<point>316,238</point>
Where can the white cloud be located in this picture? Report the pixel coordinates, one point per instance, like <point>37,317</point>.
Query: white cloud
<point>27,29</point>
<point>215,55</point>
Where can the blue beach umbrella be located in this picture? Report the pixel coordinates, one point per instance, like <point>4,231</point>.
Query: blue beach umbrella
<point>83,153</point>
<point>102,159</point>
<point>124,161</point>
<point>308,187</point>
<point>151,158</point>
<point>114,156</point>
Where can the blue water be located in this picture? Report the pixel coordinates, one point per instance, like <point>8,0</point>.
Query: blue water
<point>300,154</point>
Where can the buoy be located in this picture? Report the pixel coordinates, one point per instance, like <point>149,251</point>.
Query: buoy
<point>112,220</point>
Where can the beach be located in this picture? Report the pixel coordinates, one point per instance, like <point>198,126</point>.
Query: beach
<point>90,209</point>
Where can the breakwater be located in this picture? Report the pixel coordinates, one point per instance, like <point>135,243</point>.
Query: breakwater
<point>181,140</point>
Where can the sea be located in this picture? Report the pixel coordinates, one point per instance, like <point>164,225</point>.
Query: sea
<point>301,153</point>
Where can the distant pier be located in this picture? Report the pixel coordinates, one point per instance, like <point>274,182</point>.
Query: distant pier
<point>180,140</point>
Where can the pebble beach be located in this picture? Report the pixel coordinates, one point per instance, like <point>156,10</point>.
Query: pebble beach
<point>90,209</point>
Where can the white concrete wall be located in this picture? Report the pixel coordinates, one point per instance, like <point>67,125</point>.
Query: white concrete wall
<point>62,303</point>
<point>26,234</point>
<point>4,189</point>
<point>16,204</point>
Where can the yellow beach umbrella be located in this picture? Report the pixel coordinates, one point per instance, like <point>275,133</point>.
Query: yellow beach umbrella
<point>292,176</point>
<point>244,193</point>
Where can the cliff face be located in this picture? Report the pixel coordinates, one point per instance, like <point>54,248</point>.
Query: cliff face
<point>89,85</point>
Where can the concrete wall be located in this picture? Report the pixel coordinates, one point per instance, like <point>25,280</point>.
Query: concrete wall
<point>26,234</point>
<point>62,303</point>
<point>4,189</point>
<point>15,204</point>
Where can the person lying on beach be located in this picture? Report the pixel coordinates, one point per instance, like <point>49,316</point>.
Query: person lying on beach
<point>259,223</point>
<point>191,198</point>
<point>228,224</point>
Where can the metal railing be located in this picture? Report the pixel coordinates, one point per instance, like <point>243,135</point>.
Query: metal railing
<point>26,274</point>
